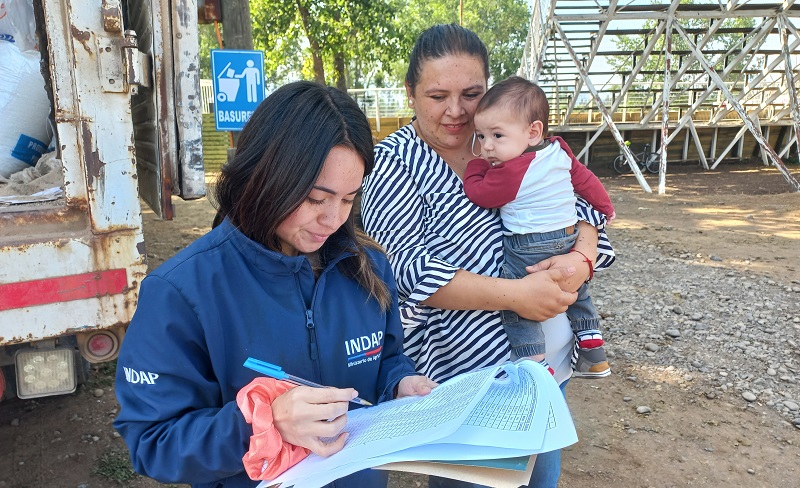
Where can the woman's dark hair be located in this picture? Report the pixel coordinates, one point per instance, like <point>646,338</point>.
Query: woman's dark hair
<point>280,154</point>
<point>520,97</point>
<point>444,40</point>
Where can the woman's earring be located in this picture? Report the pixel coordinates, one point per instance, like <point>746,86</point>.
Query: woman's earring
<point>411,103</point>
<point>472,146</point>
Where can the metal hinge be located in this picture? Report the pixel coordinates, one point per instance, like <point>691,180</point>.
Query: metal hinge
<point>123,68</point>
<point>137,64</point>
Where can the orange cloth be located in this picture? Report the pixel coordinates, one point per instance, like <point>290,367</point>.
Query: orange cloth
<point>268,456</point>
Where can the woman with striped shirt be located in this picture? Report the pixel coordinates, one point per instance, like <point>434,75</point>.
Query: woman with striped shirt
<point>446,252</point>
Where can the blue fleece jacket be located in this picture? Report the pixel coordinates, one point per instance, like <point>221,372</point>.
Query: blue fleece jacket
<point>203,312</point>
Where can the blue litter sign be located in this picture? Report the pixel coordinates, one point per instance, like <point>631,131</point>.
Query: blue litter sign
<point>238,86</point>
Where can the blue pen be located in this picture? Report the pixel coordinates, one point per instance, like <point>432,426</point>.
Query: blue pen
<point>278,373</point>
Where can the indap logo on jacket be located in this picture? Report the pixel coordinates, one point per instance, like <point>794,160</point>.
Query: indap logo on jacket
<point>140,377</point>
<point>364,349</point>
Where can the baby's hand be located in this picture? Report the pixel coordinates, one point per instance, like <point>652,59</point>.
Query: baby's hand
<point>417,385</point>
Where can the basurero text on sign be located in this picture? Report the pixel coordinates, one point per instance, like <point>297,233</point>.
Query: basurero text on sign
<point>234,115</point>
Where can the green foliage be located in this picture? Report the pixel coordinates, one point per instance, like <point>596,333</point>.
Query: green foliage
<point>369,41</point>
<point>116,467</point>
<point>347,37</point>
<point>655,62</point>
<point>503,27</point>
<point>208,41</point>
<point>501,24</point>
<point>276,31</point>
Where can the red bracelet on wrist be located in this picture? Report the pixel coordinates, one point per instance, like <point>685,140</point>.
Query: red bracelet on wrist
<point>587,261</point>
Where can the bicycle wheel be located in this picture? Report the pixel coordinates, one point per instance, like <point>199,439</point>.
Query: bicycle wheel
<point>621,165</point>
<point>652,162</point>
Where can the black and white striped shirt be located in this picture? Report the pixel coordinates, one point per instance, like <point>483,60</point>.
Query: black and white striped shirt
<point>414,205</point>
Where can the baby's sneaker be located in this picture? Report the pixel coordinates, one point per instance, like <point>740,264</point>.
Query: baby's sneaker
<point>590,363</point>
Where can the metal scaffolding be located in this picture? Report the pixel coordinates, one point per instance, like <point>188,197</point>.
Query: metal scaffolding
<point>718,74</point>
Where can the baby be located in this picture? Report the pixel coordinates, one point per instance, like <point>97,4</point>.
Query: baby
<point>533,180</point>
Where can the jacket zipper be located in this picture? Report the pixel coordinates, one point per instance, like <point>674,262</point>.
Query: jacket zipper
<point>312,330</point>
<point>312,335</point>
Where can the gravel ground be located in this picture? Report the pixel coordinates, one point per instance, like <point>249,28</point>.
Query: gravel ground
<point>701,319</point>
<point>725,331</point>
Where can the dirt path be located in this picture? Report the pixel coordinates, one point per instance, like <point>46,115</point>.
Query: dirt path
<point>742,219</point>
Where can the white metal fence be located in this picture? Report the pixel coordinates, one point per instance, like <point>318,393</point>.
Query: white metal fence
<point>375,102</point>
<point>382,102</point>
<point>206,95</point>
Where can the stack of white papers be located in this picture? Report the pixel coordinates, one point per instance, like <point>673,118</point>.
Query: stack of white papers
<point>478,415</point>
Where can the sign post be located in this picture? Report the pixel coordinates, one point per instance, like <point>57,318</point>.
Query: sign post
<point>238,86</point>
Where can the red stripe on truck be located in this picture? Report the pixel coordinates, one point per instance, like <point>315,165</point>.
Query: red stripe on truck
<point>62,289</point>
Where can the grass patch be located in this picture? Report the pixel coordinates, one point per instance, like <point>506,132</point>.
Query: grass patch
<point>115,466</point>
<point>102,375</point>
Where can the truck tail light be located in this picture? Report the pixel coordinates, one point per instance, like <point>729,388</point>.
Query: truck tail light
<point>99,346</point>
<point>44,372</point>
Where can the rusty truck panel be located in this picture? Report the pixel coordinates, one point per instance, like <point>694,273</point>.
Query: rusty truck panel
<point>123,78</point>
<point>98,226</point>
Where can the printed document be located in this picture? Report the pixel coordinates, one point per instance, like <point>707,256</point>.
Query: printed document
<point>511,410</point>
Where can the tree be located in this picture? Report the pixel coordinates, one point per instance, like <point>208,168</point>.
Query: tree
<point>503,27</point>
<point>649,81</point>
<point>357,43</point>
<point>654,65</point>
<point>501,24</point>
<point>208,41</point>
<point>277,32</point>
<point>322,39</point>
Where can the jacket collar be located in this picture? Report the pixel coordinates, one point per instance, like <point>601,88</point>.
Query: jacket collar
<point>273,261</point>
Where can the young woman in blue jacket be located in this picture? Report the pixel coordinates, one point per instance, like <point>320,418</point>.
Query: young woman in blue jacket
<point>282,277</point>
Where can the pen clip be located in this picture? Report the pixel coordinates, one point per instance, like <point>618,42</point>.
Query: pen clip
<point>263,367</point>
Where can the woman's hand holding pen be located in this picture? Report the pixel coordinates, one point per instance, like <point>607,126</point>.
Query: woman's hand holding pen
<point>415,386</point>
<point>304,416</point>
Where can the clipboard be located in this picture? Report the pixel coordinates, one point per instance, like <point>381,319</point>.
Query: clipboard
<point>498,473</point>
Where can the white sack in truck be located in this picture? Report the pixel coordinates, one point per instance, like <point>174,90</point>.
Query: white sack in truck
<point>24,109</point>
<point>17,23</point>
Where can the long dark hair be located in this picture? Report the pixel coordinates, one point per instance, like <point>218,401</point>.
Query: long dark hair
<point>443,40</point>
<point>278,159</point>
